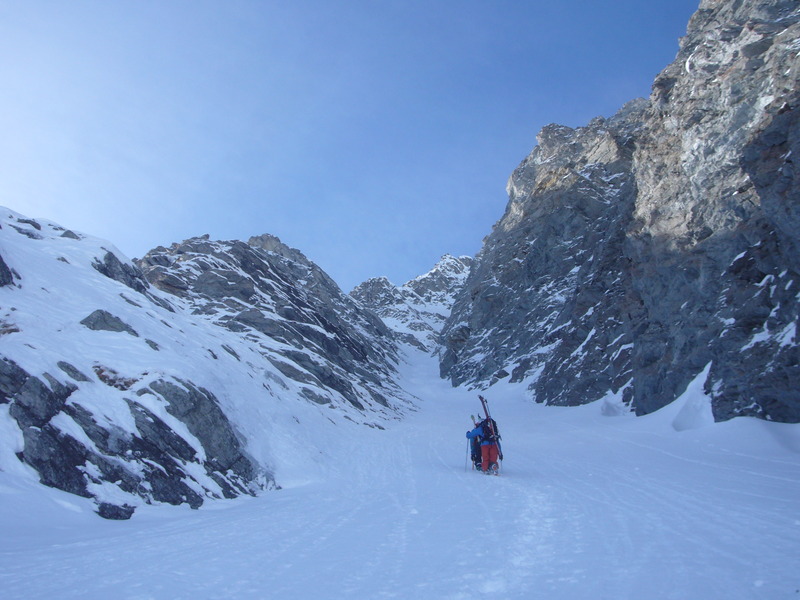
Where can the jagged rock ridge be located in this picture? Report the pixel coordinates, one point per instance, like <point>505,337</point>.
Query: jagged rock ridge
<point>636,251</point>
<point>417,310</point>
<point>276,297</point>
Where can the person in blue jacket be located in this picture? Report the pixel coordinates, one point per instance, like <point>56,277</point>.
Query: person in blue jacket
<point>486,431</point>
<point>475,452</point>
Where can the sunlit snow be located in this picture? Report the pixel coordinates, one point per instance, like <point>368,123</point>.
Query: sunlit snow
<point>587,507</point>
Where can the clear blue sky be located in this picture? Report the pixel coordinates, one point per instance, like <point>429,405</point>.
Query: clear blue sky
<point>375,136</point>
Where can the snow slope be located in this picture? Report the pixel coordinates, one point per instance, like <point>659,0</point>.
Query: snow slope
<point>588,506</point>
<point>158,401</point>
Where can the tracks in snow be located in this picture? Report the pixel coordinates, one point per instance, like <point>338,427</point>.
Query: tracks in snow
<point>586,508</point>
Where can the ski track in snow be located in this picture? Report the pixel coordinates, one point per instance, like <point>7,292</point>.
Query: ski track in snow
<point>587,507</point>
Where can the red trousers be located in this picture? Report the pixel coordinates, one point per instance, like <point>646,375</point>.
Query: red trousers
<point>488,456</point>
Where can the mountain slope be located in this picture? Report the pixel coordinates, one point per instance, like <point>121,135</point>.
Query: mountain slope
<point>639,250</point>
<point>275,297</point>
<point>114,390</point>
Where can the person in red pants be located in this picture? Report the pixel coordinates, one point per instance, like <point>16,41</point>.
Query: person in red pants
<point>486,431</point>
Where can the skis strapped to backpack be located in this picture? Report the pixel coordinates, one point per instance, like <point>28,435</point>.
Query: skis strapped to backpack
<point>492,426</point>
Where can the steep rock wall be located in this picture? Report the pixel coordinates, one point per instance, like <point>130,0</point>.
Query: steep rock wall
<point>637,250</point>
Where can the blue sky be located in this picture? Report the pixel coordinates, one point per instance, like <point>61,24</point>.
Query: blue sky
<point>375,136</point>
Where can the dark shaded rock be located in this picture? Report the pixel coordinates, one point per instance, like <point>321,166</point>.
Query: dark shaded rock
<point>315,397</point>
<point>94,441</point>
<point>164,280</point>
<point>110,439</point>
<point>125,273</point>
<point>57,458</point>
<point>200,411</point>
<point>29,233</point>
<point>35,403</point>
<point>114,512</point>
<point>30,222</point>
<point>102,320</point>
<point>537,283</point>
<point>155,432</point>
<point>72,371</point>
<point>129,301</point>
<point>267,290</point>
<point>12,378</point>
<point>222,284</point>
<point>291,371</point>
<point>6,277</point>
<point>150,463</point>
<point>769,159</point>
<point>231,351</point>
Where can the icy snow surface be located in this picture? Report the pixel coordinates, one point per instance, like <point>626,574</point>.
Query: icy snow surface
<point>587,507</point>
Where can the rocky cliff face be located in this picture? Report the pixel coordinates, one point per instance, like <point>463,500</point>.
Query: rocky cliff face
<point>417,310</point>
<point>638,250</point>
<point>113,389</point>
<point>276,298</point>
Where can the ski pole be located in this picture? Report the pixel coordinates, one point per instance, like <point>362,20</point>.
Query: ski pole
<point>466,459</point>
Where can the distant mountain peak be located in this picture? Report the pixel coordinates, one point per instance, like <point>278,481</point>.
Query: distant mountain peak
<point>417,310</point>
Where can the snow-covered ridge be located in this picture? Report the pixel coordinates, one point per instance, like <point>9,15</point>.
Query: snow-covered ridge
<point>113,389</point>
<point>280,301</point>
<point>417,310</point>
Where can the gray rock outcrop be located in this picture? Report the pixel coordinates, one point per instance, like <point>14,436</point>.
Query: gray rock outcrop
<point>102,320</point>
<point>112,267</point>
<point>6,277</point>
<point>76,451</point>
<point>639,249</point>
<point>317,335</point>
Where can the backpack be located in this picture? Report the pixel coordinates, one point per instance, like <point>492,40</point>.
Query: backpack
<point>487,436</point>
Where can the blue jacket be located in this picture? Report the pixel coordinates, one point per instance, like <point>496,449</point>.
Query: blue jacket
<point>478,431</point>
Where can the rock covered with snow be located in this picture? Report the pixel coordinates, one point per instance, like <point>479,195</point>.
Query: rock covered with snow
<point>636,251</point>
<point>276,298</point>
<point>115,390</point>
<point>90,379</point>
<point>417,310</point>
